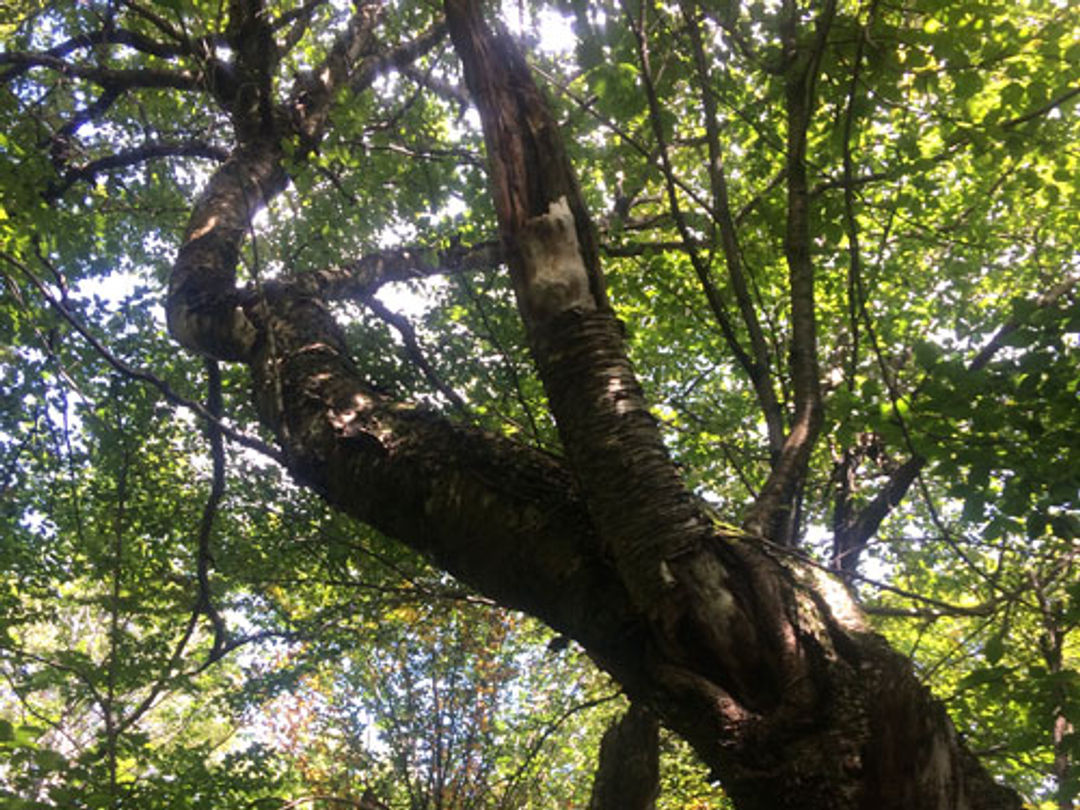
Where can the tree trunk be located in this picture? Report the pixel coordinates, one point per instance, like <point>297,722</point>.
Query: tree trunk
<point>628,774</point>
<point>755,656</point>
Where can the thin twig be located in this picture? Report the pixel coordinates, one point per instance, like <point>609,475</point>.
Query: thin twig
<point>414,352</point>
<point>139,374</point>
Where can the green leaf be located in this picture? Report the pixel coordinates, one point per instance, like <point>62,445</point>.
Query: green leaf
<point>49,760</point>
<point>986,676</point>
<point>994,648</point>
<point>926,353</point>
<point>1036,525</point>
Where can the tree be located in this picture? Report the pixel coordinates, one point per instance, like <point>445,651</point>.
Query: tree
<point>838,259</point>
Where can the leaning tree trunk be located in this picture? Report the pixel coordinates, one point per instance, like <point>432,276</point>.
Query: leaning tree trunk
<point>756,658</point>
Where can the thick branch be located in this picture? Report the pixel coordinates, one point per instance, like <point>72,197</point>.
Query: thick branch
<point>203,307</point>
<point>752,656</point>
<point>502,517</point>
<point>359,279</point>
<point>634,492</point>
<point>703,621</point>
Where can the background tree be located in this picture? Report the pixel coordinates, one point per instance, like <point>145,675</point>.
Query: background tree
<point>835,306</point>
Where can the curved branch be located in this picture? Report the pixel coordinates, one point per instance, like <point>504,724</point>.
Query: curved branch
<point>204,308</point>
<point>156,20</point>
<point>132,157</point>
<point>997,342</point>
<point>89,113</point>
<point>504,518</point>
<point>116,78</point>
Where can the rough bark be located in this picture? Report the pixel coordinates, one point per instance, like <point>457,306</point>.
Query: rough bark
<point>756,657</point>
<point>836,720</point>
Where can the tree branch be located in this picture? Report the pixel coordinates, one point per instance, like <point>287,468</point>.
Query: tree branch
<point>701,268</point>
<point>114,78</point>
<point>760,370</point>
<point>137,374</point>
<point>204,560</point>
<point>132,157</point>
<point>997,342</point>
<point>156,20</point>
<point>111,36</point>
<point>853,533</point>
<point>774,514</point>
<point>628,774</point>
<point>415,353</point>
<point>359,279</point>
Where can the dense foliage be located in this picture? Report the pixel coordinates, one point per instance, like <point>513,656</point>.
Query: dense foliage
<point>184,626</point>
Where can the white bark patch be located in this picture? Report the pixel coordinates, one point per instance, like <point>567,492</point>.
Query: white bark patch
<point>341,420</point>
<point>204,229</point>
<point>232,337</point>
<point>555,276</point>
<point>838,598</point>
